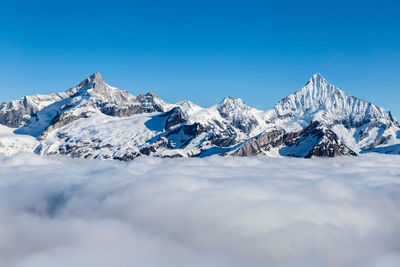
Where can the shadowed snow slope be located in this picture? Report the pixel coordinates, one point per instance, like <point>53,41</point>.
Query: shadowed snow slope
<point>95,120</point>
<point>217,211</point>
<point>11,143</point>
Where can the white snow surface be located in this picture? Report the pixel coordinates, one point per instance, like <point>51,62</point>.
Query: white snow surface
<point>11,143</point>
<point>124,135</point>
<point>216,211</point>
<point>320,100</point>
<point>357,123</point>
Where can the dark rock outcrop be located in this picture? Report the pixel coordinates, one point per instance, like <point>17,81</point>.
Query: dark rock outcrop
<point>314,140</point>
<point>174,117</point>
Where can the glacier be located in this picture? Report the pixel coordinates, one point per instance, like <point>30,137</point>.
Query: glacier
<point>95,120</point>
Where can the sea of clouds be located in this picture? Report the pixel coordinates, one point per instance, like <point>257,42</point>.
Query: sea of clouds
<point>217,211</point>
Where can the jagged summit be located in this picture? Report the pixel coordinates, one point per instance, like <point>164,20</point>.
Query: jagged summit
<point>86,121</point>
<point>97,80</point>
<point>231,106</point>
<point>90,97</point>
<point>317,78</point>
<point>323,101</point>
<point>316,93</point>
<point>232,101</point>
<point>97,91</point>
<point>94,83</point>
<point>96,75</point>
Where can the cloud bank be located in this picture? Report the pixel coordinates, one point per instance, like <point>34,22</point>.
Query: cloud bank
<point>200,212</point>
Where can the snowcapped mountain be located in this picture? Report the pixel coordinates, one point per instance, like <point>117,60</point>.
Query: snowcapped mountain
<point>90,97</point>
<point>96,120</point>
<point>358,125</point>
<point>16,113</point>
<point>322,101</point>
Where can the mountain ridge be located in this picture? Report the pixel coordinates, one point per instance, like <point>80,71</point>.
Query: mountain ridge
<point>96,120</point>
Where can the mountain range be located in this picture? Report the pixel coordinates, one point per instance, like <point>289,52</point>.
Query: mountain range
<point>98,121</point>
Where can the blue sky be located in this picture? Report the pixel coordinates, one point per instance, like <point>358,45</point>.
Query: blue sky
<point>204,50</point>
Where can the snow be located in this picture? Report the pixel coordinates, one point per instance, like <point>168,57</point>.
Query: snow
<point>36,125</point>
<point>344,114</point>
<point>302,149</point>
<point>116,136</point>
<point>319,100</point>
<point>357,123</point>
<point>11,143</point>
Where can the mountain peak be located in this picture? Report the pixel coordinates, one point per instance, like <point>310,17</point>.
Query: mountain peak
<point>318,118</point>
<point>230,100</point>
<point>323,101</point>
<point>96,76</point>
<point>97,80</point>
<point>94,82</point>
<point>317,80</point>
<point>316,95</point>
<point>318,75</point>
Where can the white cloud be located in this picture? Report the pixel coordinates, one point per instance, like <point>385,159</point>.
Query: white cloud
<point>200,212</point>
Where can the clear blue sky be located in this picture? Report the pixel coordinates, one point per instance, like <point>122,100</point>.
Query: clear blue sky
<point>203,50</point>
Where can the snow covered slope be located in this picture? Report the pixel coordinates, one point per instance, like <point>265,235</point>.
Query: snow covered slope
<point>11,143</point>
<point>322,101</point>
<point>351,123</point>
<point>96,120</point>
<point>16,113</point>
<point>91,96</point>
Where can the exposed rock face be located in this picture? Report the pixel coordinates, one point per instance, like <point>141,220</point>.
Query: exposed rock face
<point>16,113</point>
<point>357,123</point>
<point>96,120</point>
<point>114,102</point>
<point>146,103</point>
<point>173,117</point>
<point>238,114</point>
<point>90,97</point>
<point>324,101</point>
<point>177,139</point>
<point>257,145</point>
<point>313,140</point>
<point>329,146</point>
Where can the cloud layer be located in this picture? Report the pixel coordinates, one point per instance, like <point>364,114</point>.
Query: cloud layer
<point>200,212</point>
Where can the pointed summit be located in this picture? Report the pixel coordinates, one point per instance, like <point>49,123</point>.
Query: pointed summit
<point>317,80</point>
<point>232,101</point>
<point>319,100</point>
<point>93,79</point>
<point>315,95</point>
<point>232,105</point>
<point>318,76</point>
<point>97,81</point>
<point>93,83</point>
<point>96,76</point>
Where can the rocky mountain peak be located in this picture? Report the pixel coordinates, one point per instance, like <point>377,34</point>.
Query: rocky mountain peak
<point>317,95</point>
<point>94,78</point>
<point>232,100</point>
<point>232,107</point>
<point>238,114</point>
<point>317,90</point>
<point>318,80</point>
<point>98,85</point>
<point>94,84</point>
<point>232,104</point>
<point>317,120</point>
